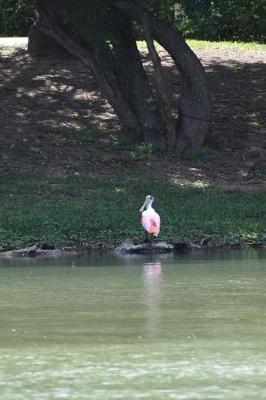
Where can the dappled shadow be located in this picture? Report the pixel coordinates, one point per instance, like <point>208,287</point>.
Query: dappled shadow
<point>55,120</point>
<point>47,103</point>
<point>239,118</point>
<point>236,147</point>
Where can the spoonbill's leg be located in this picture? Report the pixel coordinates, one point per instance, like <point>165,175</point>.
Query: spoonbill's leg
<point>147,238</point>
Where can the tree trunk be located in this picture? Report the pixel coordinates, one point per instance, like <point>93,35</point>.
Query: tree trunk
<point>117,68</point>
<point>51,24</point>
<point>40,44</point>
<point>194,109</point>
<point>133,78</point>
<point>163,100</point>
<point>109,50</point>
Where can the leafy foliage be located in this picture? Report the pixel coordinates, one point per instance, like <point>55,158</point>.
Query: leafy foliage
<point>223,19</point>
<point>16,16</point>
<point>242,20</point>
<point>200,19</point>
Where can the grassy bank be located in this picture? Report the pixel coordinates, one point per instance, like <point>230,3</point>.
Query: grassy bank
<point>78,210</point>
<point>62,126</point>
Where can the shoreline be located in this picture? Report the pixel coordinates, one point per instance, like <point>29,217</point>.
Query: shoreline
<point>127,248</point>
<point>85,214</point>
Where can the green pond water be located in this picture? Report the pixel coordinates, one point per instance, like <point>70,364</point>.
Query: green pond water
<point>190,327</point>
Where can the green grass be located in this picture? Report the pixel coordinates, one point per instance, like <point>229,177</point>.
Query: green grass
<point>81,136</point>
<point>241,46</point>
<point>205,44</point>
<point>85,210</point>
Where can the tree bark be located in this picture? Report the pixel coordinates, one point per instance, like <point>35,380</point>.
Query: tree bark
<point>40,44</point>
<point>164,102</point>
<point>133,78</point>
<point>194,109</point>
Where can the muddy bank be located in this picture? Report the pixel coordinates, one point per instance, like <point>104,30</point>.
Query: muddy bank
<point>128,247</point>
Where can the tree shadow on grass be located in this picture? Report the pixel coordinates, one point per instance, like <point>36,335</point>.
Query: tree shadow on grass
<point>236,146</point>
<point>54,119</point>
<point>47,104</point>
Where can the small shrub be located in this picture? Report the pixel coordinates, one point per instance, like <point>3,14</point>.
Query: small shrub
<point>142,151</point>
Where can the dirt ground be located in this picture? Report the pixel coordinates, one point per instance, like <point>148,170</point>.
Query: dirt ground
<point>55,122</point>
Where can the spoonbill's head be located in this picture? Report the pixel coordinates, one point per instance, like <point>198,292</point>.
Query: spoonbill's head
<point>147,203</point>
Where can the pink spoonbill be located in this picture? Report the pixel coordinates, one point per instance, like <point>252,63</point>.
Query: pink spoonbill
<point>149,218</point>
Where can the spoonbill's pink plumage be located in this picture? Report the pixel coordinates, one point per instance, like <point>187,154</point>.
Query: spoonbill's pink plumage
<point>150,219</point>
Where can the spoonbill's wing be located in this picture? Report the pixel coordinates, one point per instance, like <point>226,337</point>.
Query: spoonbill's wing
<point>151,221</point>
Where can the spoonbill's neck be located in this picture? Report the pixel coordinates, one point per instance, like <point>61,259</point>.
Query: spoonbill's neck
<point>149,205</point>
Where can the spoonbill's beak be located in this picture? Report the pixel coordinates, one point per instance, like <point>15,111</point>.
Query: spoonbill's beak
<point>143,206</point>
<point>147,200</point>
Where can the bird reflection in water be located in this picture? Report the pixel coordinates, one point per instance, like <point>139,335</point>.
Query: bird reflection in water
<point>152,272</point>
<point>152,283</point>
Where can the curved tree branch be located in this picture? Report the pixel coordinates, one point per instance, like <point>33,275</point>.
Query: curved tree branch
<point>194,108</point>
<point>160,84</point>
<point>49,24</point>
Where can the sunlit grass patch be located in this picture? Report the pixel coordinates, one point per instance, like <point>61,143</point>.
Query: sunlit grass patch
<point>206,44</point>
<point>226,44</point>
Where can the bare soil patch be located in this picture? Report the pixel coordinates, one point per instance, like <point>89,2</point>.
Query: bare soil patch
<point>55,122</point>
